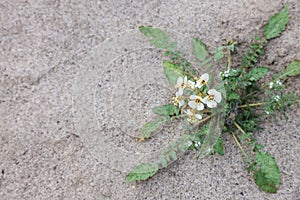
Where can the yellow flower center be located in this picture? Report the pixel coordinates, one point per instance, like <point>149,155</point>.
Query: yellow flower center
<point>211,97</point>
<point>198,100</point>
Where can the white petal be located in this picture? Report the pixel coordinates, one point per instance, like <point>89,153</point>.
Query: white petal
<point>189,112</point>
<point>211,104</point>
<point>204,77</point>
<point>200,106</point>
<point>179,92</point>
<point>181,103</point>
<point>192,104</point>
<point>218,97</point>
<point>205,100</point>
<point>179,80</point>
<point>185,80</point>
<point>198,116</point>
<point>193,97</point>
<point>212,91</point>
<point>198,84</point>
<point>191,84</point>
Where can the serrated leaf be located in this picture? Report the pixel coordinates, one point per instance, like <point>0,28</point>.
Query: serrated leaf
<point>267,176</point>
<point>219,54</point>
<point>257,73</point>
<point>149,128</point>
<point>173,155</point>
<point>142,172</point>
<point>276,24</point>
<point>293,69</point>
<point>218,147</point>
<point>163,162</point>
<point>199,49</point>
<point>166,110</point>
<point>172,72</point>
<point>157,37</point>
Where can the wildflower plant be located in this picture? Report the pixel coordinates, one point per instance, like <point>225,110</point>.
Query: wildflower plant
<point>228,102</point>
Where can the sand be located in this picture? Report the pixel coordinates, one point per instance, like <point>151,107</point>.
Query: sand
<point>46,153</point>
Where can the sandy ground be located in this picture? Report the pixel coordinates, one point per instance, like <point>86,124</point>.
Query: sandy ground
<point>43,48</point>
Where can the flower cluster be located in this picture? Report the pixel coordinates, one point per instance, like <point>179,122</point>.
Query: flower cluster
<point>192,96</point>
<point>273,86</point>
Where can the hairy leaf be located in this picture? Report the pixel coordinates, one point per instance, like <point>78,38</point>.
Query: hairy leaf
<point>219,54</point>
<point>257,73</point>
<point>157,37</point>
<point>267,177</point>
<point>255,50</point>
<point>199,49</point>
<point>293,69</point>
<point>172,72</point>
<point>142,172</point>
<point>173,155</point>
<point>149,128</point>
<point>163,162</point>
<point>276,24</point>
<point>166,110</point>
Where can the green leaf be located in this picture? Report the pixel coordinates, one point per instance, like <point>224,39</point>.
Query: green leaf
<point>219,54</point>
<point>199,49</point>
<point>257,73</point>
<point>142,172</point>
<point>258,147</point>
<point>267,176</point>
<point>163,162</point>
<point>173,155</point>
<point>149,128</point>
<point>157,37</point>
<point>233,96</point>
<point>172,72</point>
<point>276,24</point>
<point>219,147</point>
<point>293,69</point>
<point>246,136</point>
<point>166,110</point>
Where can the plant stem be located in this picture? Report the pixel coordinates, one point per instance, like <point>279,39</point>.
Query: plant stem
<point>178,116</point>
<point>238,126</point>
<point>206,111</point>
<point>239,145</point>
<point>228,59</point>
<point>240,129</point>
<point>204,120</point>
<point>252,104</point>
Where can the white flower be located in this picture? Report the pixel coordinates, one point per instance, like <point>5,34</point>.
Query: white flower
<point>226,73</point>
<point>181,82</point>
<point>179,99</point>
<point>277,98</point>
<point>198,144</point>
<point>189,143</point>
<point>196,102</point>
<point>202,80</point>
<point>191,84</point>
<point>212,98</point>
<point>271,85</point>
<point>267,112</point>
<point>192,115</point>
<point>279,83</point>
